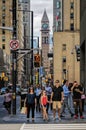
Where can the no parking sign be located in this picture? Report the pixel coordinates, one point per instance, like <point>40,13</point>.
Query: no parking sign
<point>14,44</point>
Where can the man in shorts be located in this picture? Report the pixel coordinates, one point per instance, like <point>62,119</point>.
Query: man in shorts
<point>57,99</point>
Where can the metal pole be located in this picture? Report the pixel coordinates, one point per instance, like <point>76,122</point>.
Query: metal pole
<point>32,47</point>
<point>14,57</point>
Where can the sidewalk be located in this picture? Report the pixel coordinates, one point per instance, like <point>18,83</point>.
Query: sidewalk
<point>21,118</point>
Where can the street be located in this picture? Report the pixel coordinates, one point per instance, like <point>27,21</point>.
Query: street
<point>19,121</point>
<point>3,111</point>
<point>54,127</point>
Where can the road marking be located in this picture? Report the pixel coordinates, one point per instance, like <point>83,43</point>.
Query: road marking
<point>22,127</point>
<point>53,126</point>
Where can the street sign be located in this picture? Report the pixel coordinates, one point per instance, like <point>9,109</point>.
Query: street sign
<point>14,44</point>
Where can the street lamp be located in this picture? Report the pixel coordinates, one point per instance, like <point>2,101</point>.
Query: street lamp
<point>14,56</point>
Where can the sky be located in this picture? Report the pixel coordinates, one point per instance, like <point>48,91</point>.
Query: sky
<point>38,7</point>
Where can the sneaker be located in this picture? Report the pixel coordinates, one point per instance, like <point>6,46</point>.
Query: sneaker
<point>27,120</point>
<point>43,119</point>
<point>59,118</point>
<point>76,116</point>
<point>32,119</point>
<point>54,118</point>
<point>62,116</point>
<point>81,117</point>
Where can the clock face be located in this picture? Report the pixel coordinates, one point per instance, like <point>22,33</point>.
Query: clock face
<point>45,26</point>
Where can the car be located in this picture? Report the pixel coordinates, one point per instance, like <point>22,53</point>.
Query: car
<point>24,90</point>
<point>18,90</point>
<point>3,90</point>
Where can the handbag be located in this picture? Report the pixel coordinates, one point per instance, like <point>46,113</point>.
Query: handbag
<point>24,110</point>
<point>83,96</point>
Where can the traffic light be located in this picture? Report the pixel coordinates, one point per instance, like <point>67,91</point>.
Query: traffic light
<point>37,60</point>
<point>78,53</point>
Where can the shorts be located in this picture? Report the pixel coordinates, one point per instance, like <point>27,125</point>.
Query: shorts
<point>44,105</point>
<point>57,104</point>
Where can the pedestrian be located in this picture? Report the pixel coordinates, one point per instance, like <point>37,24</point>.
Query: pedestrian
<point>67,93</point>
<point>83,97</point>
<point>44,101</point>
<point>38,95</point>
<point>8,100</point>
<point>57,99</point>
<point>77,92</point>
<point>48,90</point>
<point>31,103</point>
<point>70,97</point>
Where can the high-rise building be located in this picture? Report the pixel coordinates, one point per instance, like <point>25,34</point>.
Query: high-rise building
<point>24,5</point>
<point>45,36</point>
<point>66,36</point>
<point>83,42</point>
<point>5,34</point>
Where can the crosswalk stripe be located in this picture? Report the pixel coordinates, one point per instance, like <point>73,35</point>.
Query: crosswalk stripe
<point>53,127</point>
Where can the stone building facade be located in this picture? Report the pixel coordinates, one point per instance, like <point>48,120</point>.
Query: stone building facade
<point>83,42</point>
<point>66,36</point>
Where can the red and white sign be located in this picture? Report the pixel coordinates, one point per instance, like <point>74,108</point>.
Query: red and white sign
<point>14,44</point>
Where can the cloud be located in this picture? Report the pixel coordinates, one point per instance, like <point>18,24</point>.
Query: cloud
<point>38,7</point>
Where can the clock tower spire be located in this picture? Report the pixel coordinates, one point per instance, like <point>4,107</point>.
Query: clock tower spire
<point>45,36</point>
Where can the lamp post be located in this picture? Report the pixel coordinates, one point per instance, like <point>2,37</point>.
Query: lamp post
<point>14,54</point>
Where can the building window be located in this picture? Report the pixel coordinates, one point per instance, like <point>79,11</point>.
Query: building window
<point>46,39</point>
<point>64,59</point>
<point>42,39</point>
<point>3,1</point>
<point>3,20</point>
<point>72,27</point>
<point>3,38</point>
<point>3,15</point>
<point>72,15</point>
<point>3,31</point>
<point>58,4</point>
<point>64,47</point>
<point>72,5</point>
<point>3,46</point>
<point>64,71</point>
<point>3,7</point>
<point>3,24</point>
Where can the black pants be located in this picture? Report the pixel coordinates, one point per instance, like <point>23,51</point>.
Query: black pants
<point>8,106</point>
<point>78,106</point>
<point>83,102</point>
<point>38,103</point>
<point>30,107</point>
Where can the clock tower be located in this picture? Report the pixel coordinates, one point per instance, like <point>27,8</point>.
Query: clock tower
<point>45,36</point>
